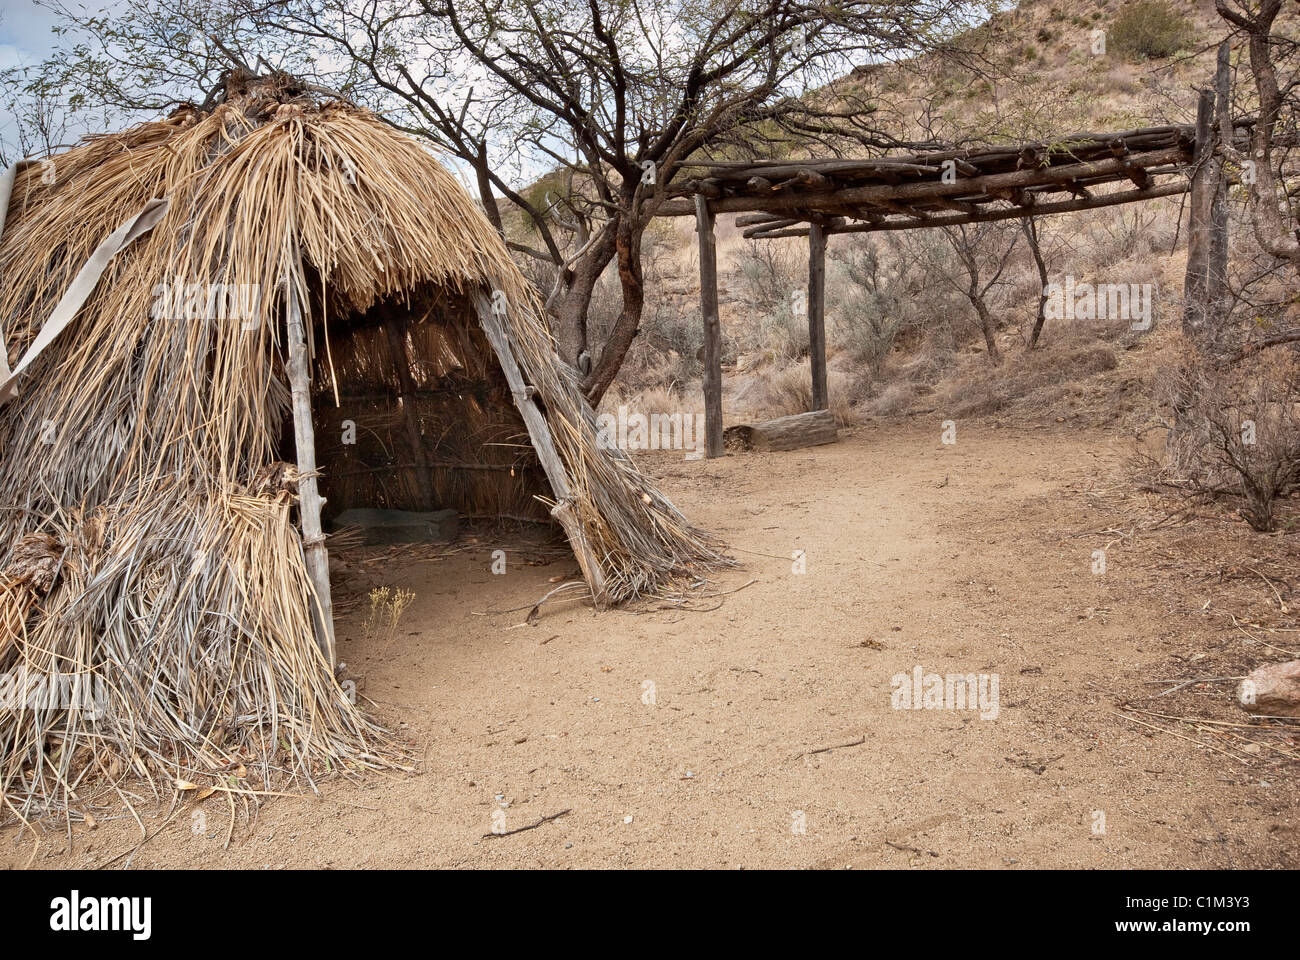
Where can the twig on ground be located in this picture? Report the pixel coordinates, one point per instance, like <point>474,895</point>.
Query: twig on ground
<point>1181,736</point>
<point>531,826</point>
<point>838,746</point>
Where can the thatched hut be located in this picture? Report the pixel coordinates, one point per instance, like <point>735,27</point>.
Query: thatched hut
<point>278,268</point>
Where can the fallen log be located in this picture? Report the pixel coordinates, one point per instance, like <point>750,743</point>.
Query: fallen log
<point>784,433</point>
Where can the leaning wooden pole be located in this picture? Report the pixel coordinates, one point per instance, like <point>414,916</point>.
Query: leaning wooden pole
<point>309,498</point>
<point>712,328</point>
<point>817,314</point>
<point>539,431</point>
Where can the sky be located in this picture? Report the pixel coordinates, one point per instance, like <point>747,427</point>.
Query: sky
<point>26,37</point>
<point>24,32</point>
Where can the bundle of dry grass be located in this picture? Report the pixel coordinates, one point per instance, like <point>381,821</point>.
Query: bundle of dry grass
<point>145,556</point>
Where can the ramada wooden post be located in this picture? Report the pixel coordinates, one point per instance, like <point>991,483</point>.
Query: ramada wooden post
<point>309,498</point>
<point>712,329</point>
<point>817,313</point>
<point>539,432</point>
<point>1196,280</point>
<point>1216,293</point>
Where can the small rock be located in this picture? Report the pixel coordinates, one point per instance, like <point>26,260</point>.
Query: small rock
<point>1272,690</point>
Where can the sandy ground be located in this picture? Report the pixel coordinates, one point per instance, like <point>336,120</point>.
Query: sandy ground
<point>975,557</point>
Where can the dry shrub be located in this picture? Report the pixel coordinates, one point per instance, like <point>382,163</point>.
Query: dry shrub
<point>386,608</point>
<point>783,333</point>
<point>1149,30</point>
<point>1237,432</point>
<point>927,368</point>
<point>789,390</point>
<point>984,390</point>
<point>767,272</point>
<point>880,293</point>
<point>895,399</point>
<point>669,398</point>
<point>768,277</point>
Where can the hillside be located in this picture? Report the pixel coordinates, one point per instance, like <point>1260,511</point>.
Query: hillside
<point>901,338</point>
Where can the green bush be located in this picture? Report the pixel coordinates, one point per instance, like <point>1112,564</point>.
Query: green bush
<point>1149,30</point>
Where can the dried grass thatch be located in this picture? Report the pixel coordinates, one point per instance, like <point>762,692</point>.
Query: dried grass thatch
<point>148,539</point>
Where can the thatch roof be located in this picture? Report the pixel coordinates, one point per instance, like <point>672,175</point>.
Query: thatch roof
<point>142,546</point>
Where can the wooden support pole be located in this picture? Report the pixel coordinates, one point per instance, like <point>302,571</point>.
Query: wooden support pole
<point>712,329</point>
<point>402,362</point>
<point>1216,292</point>
<point>1196,279</point>
<point>310,501</point>
<point>817,313</point>
<point>539,431</point>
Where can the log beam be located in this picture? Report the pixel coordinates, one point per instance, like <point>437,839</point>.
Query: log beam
<point>1005,213</point>
<point>785,433</point>
<point>874,194</point>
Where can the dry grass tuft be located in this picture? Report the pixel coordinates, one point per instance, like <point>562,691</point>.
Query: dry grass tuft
<point>984,390</point>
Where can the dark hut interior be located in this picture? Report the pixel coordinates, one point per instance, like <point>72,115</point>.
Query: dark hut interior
<point>412,412</point>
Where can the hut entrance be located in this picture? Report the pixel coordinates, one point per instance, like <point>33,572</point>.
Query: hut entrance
<point>413,413</point>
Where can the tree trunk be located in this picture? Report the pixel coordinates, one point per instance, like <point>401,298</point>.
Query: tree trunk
<point>628,248</point>
<point>571,307</point>
<point>1275,234</point>
<point>486,196</point>
<point>986,324</point>
<point>1216,279</point>
<point>1031,234</point>
<point>1195,285</point>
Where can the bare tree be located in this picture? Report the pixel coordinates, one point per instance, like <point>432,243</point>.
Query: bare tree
<point>1029,226</point>
<point>983,252</point>
<point>38,126</point>
<point>616,95</point>
<point>1274,67</point>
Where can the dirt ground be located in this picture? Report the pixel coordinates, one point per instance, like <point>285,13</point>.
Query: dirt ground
<point>975,557</point>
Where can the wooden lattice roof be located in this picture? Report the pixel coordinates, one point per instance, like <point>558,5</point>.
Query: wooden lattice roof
<point>942,187</point>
